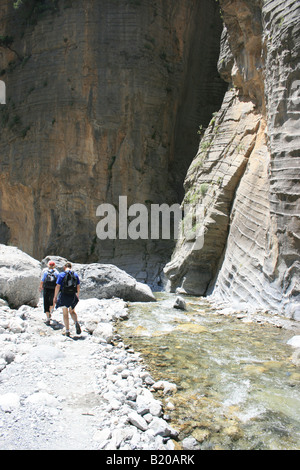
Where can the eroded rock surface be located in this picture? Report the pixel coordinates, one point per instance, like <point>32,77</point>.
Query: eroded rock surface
<point>104,99</point>
<point>245,177</point>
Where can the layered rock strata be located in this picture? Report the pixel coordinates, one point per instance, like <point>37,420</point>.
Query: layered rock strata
<point>103,99</point>
<point>245,177</point>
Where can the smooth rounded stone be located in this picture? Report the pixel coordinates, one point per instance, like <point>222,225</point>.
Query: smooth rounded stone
<point>114,404</point>
<point>201,435</point>
<point>42,399</point>
<point>294,341</point>
<point>19,277</point>
<point>142,406</point>
<point>162,428</point>
<point>9,402</point>
<point>180,303</point>
<point>137,421</point>
<point>166,386</point>
<point>233,431</point>
<point>148,380</point>
<point>190,443</point>
<point>16,325</point>
<point>155,408</point>
<point>8,356</point>
<point>125,373</point>
<point>103,332</point>
<point>131,395</point>
<point>170,406</point>
<point>146,403</point>
<point>107,281</point>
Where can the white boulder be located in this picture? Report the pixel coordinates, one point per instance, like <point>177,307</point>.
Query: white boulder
<point>105,281</point>
<point>294,341</point>
<point>9,402</point>
<point>19,277</point>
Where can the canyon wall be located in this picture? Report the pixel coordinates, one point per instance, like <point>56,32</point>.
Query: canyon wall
<point>108,99</point>
<point>104,98</point>
<point>243,185</point>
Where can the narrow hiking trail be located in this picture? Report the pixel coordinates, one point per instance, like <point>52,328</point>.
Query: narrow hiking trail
<point>60,393</point>
<point>57,383</point>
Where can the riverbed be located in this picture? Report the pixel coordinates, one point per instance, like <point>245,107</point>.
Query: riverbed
<point>237,387</point>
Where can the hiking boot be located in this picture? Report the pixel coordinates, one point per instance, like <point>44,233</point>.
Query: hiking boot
<point>78,329</point>
<point>66,333</point>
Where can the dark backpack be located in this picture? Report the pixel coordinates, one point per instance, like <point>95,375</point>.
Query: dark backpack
<point>70,283</point>
<point>50,280</point>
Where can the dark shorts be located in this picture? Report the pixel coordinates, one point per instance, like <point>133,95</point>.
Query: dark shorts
<point>48,299</point>
<point>65,300</point>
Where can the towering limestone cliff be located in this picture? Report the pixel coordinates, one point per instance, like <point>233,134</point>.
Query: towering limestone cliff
<point>244,180</point>
<point>104,99</point>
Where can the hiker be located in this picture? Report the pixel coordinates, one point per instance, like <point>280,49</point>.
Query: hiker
<point>67,296</point>
<point>48,284</point>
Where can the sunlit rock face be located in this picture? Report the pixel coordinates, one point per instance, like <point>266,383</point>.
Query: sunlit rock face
<point>245,176</point>
<point>103,99</point>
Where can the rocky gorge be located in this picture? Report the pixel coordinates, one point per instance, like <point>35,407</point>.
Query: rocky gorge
<point>111,99</point>
<point>105,388</point>
<point>104,99</point>
<point>195,103</point>
<point>245,176</point>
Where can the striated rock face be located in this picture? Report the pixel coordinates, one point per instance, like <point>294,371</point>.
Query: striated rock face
<point>212,183</point>
<point>103,99</point>
<point>245,177</point>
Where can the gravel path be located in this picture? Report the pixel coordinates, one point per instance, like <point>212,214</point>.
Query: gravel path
<point>74,393</point>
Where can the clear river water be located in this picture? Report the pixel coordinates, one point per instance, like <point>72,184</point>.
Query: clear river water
<point>237,387</point>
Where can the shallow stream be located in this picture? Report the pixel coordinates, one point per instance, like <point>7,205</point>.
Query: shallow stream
<point>237,386</point>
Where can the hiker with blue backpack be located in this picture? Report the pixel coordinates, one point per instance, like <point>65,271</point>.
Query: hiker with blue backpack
<point>47,285</point>
<point>67,296</point>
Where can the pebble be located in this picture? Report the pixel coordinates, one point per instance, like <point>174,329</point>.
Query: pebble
<point>57,392</point>
<point>164,385</point>
<point>294,341</point>
<point>180,303</point>
<point>137,420</point>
